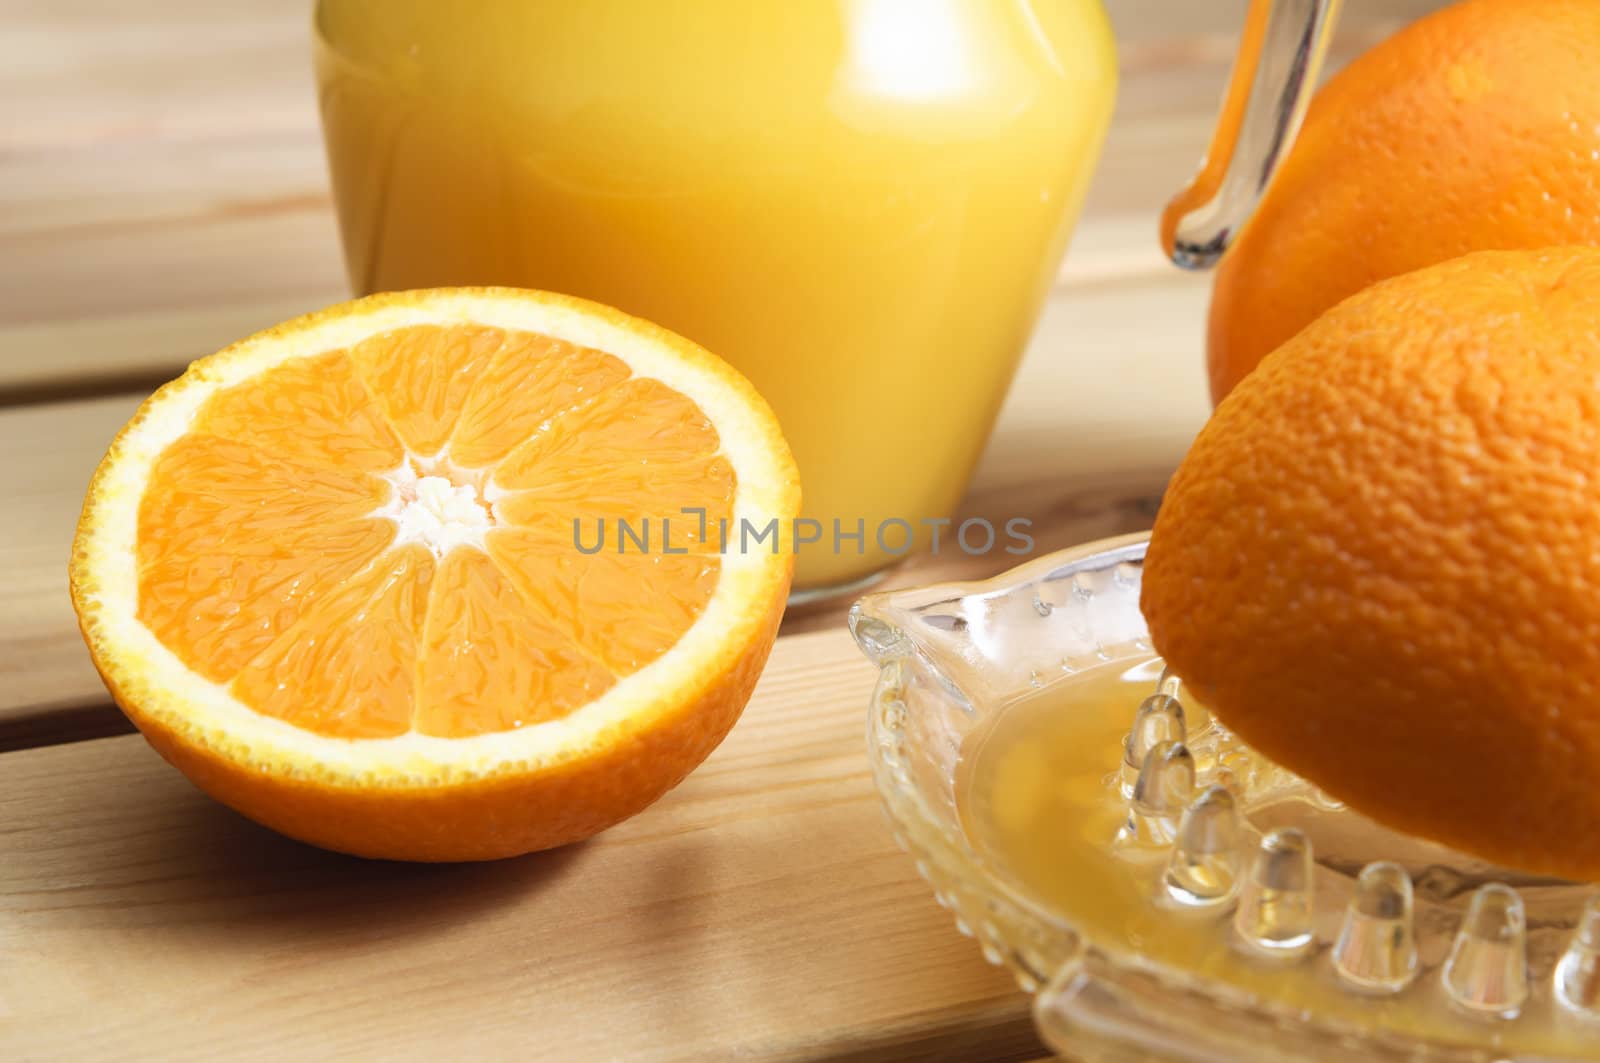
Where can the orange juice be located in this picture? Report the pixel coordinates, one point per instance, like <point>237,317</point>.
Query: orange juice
<point>860,204</point>
<point>1037,794</point>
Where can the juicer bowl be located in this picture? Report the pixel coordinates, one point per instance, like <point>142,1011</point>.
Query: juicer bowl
<point>954,657</point>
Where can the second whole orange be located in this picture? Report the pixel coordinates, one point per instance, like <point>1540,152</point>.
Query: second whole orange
<point>1475,128</point>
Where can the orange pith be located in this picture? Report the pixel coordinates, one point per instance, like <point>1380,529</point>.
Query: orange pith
<point>1378,563</point>
<point>377,639</point>
<point>438,575</point>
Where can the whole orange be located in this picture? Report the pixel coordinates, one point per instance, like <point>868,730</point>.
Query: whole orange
<point>1475,128</point>
<point>1380,562</point>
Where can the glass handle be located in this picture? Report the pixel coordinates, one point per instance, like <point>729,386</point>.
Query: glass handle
<point>1280,53</point>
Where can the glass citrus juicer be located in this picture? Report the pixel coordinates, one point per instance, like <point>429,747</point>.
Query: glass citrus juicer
<point>1166,892</point>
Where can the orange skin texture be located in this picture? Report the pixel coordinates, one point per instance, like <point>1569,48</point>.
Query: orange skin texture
<point>1379,562</point>
<point>1475,128</point>
<point>489,819</point>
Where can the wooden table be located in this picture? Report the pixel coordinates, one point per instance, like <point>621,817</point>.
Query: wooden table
<point>162,192</point>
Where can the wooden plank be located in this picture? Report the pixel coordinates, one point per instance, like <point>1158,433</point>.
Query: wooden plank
<point>760,910</point>
<point>1098,418</point>
<point>46,681</point>
<point>165,71</point>
<point>165,192</point>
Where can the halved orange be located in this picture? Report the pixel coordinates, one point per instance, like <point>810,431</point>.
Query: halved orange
<point>439,575</point>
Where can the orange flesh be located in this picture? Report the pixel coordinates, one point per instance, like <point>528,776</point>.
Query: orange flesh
<point>266,565</point>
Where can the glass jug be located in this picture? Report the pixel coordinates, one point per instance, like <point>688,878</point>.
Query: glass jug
<point>861,204</point>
